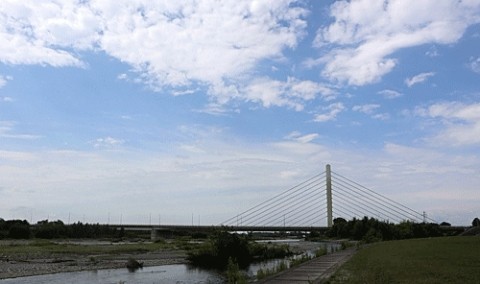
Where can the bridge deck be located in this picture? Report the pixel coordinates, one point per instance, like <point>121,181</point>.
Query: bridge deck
<point>140,227</point>
<point>314,271</point>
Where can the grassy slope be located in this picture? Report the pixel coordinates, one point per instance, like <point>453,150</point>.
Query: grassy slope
<point>436,260</point>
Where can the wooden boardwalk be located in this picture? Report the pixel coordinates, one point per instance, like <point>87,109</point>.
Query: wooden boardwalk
<point>316,270</point>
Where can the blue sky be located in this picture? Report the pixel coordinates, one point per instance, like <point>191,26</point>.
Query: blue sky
<point>154,108</point>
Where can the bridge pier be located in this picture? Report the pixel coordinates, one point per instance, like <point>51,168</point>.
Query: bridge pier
<point>153,234</point>
<point>329,196</point>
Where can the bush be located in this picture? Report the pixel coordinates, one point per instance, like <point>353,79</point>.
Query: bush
<point>221,247</point>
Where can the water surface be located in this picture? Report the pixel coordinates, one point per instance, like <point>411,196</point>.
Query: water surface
<point>165,274</point>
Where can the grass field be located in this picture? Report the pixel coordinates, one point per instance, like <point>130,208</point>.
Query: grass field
<point>435,260</point>
<point>47,247</point>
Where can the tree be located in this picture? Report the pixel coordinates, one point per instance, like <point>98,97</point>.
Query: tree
<point>51,229</point>
<point>476,222</point>
<point>18,229</point>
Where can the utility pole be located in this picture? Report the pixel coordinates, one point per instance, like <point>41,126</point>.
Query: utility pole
<point>329,196</point>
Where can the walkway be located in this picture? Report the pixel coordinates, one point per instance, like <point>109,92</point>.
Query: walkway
<point>316,270</point>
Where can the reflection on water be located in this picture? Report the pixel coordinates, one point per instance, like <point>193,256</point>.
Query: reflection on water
<point>165,274</point>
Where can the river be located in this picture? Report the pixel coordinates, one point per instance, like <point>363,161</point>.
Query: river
<point>165,274</point>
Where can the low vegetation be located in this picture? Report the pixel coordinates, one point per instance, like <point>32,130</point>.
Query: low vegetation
<point>265,272</point>
<point>48,247</point>
<point>433,260</point>
<point>222,246</point>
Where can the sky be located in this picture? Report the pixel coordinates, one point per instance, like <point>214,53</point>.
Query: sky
<point>141,111</point>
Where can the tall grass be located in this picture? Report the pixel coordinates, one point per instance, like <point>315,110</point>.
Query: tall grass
<point>264,272</point>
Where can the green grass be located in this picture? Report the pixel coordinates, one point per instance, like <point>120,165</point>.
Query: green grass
<point>47,247</point>
<point>436,260</point>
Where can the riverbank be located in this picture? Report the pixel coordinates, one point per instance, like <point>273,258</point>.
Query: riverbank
<point>28,258</point>
<point>19,258</point>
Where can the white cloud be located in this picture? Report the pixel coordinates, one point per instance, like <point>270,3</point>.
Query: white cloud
<point>332,111</point>
<point>170,44</point>
<point>4,80</point>
<point>475,64</point>
<point>433,52</point>
<point>122,76</point>
<point>297,136</point>
<point>461,122</point>
<point>293,93</point>
<point>7,130</point>
<point>6,99</point>
<point>367,109</point>
<point>381,116</point>
<point>366,33</point>
<point>107,142</point>
<point>215,109</point>
<point>420,78</point>
<point>179,44</point>
<point>390,94</point>
<point>34,32</point>
<point>370,109</point>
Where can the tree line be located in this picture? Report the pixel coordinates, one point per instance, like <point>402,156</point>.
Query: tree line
<point>367,229</point>
<point>371,229</point>
<point>21,229</point>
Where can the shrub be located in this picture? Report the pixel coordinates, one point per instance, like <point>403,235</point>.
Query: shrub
<point>221,247</point>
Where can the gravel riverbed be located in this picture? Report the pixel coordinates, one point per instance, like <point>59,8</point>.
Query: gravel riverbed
<point>28,264</point>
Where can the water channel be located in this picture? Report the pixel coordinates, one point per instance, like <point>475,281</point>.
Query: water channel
<point>165,274</point>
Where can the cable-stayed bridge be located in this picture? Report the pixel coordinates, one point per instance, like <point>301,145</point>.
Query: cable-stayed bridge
<point>310,205</point>
<point>318,200</point>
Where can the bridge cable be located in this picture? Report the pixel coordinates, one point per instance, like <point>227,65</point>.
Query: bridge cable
<point>275,199</point>
<point>378,196</point>
<point>366,203</point>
